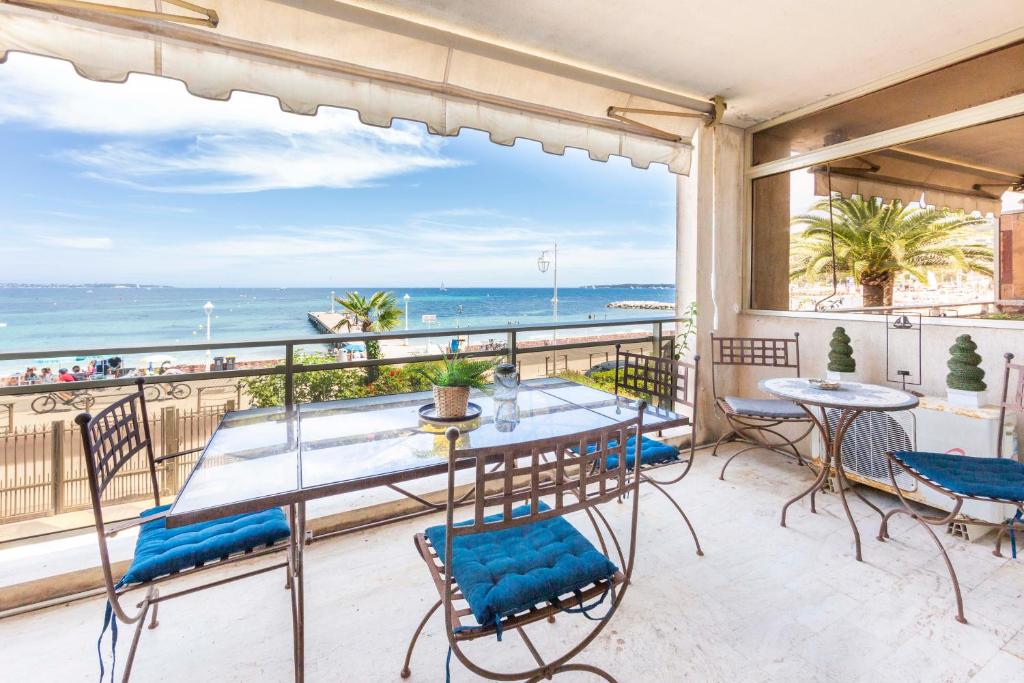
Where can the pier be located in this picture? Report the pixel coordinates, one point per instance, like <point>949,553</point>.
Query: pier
<point>325,322</point>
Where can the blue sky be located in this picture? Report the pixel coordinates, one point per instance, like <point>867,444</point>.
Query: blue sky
<point>142,182</point>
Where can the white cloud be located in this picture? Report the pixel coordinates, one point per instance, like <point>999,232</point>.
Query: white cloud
<point>75,242</point>
<point>160,138</point>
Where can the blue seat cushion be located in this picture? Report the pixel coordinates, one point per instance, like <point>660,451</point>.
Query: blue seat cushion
<point>506,571</point>
<point>765,407</point>
<point>652,452</point>
<point>160,551</point>
<point>987,477</point>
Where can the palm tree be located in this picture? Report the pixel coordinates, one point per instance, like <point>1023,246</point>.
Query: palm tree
<point>379,313</point>
<point>875,242</point>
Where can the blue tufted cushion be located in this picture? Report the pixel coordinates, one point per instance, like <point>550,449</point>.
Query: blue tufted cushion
<point>989,477</point>
<point>510,570</point>
<point>160,551</point>
<point>651,452</point>
<point>764,407</point>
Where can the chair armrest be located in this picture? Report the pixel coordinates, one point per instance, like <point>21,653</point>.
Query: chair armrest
<point>170,456</point>
<point>114,528</point>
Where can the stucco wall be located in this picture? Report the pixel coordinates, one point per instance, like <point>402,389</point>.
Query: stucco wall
<point>867,337</point>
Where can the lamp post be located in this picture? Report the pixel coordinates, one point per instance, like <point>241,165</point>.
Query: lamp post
<point>406,300</point>
<point>543,263</point>
<point>208,310</point>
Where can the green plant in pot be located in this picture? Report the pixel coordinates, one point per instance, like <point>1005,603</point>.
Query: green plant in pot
<point>841,364</point>
<point>965,383</point>
<point>452,378</point>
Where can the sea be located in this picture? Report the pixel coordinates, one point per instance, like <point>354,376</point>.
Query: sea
<point>38,320</point>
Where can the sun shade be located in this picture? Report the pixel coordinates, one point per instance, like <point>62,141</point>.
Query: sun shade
<point>308,59</point>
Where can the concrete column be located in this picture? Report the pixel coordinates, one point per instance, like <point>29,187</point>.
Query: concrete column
<point>709,251</point>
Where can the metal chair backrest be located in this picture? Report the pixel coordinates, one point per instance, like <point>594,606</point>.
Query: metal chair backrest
<point>773,352</point>
<point>110,440</point>
<point>652,377</point>
<point>571,470</point>
<point>1013,378</point>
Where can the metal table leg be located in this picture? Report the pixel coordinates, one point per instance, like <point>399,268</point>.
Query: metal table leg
<point>833,458</point>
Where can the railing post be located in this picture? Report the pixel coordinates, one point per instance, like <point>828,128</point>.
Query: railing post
<point>658,332</point>
<point>10,417</point>
<point>289,377</point>
<point>57,464</point>
<point>171,444</point>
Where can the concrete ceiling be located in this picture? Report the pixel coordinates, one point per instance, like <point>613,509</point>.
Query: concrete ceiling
<point>766,58</point>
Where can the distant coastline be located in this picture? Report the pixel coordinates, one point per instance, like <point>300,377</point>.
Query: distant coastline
<point>633,285</point>
<point>88,285</point>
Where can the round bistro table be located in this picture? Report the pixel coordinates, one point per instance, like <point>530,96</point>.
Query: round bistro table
<point>850,400</point>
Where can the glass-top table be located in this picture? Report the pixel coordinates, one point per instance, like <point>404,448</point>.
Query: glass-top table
<point>277,457</point>
<point>270,457</point>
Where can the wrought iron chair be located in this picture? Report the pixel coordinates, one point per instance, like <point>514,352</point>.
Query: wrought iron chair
<point>666,382</point>
<point>963,478</point>
<point>756,421</point>
<point>111,440</point>
<point>527,563</point>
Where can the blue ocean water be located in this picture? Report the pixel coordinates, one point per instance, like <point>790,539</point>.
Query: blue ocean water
<point>50,318</point>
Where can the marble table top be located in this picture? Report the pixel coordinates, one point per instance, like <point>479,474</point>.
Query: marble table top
<point>849,394</point>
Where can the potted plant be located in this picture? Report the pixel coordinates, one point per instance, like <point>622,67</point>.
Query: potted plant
<point>841,365</point>
<point>452,378</point>
<point>965,383</point>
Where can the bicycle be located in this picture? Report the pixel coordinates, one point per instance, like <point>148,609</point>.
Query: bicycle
<point>80,400</point>
<point>171,390</point>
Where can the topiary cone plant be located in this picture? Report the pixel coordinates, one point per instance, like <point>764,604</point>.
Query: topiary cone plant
<point>965,382</point>
<point>840,355</point>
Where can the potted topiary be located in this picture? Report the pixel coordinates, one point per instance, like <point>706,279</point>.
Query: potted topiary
<point>965,383</point>
<point>452,378</point>
<point>841,365</point>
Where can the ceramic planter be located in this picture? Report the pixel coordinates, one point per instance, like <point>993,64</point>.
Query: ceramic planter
<point>968,399</point>
<point>841,376</point>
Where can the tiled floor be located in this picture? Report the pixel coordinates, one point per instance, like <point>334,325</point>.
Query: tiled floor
<point>764,604</point>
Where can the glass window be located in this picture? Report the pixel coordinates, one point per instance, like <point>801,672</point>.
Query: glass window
<point>915,225</point>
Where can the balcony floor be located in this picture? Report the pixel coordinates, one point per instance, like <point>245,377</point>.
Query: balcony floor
<point>764,604</point>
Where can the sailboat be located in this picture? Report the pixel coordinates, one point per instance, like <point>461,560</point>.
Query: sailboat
<point>443,288</point>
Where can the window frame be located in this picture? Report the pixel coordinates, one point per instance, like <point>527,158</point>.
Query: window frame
<point>966,118</point>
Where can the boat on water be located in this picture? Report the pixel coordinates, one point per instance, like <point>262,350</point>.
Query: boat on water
<point>443,288</point>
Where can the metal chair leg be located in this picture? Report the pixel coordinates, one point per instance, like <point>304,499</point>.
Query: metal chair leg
<point>135,641</point>
<point>728,437</point>
<point>153,622</point>
<point>721,475</point>
<point>573,667</point>
<point>884,532</point>
<point>679,509</point>
<point>406,672</point>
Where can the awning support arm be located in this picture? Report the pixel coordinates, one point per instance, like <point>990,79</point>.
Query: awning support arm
<point>711,118</point>
<point>209,17</point>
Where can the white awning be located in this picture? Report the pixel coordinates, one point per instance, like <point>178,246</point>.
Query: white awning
<point>309,59</point>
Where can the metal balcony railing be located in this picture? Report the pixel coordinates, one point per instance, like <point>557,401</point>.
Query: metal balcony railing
<point>41,467</point>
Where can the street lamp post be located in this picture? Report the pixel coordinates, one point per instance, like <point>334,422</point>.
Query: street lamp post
<point>208,310</point>
<point>406,300</point>
<point>543,263</point>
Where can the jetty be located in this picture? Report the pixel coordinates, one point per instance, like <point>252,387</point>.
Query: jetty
<point>644,305</point>
<point>325,322</point>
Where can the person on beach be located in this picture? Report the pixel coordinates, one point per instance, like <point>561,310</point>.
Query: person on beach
<point>46,376</point>
<point>76,371</point>
<point>30,376</point>
<point>65,376</point>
